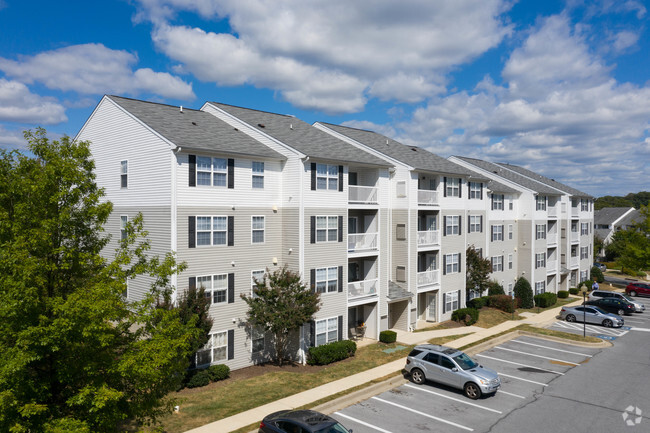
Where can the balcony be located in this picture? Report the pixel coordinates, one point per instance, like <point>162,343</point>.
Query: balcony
<point>359,242</point>
<point>575,211</point>
<point>552,211</point>
<point>575,236</point>
<point>428,278</point>
<point>574,262</point>
<point>551,266</point>
<point>427,197</point>
<point>428,238</point>
<point>362,194</point>
<point>361,289</point>
<point>551,238</point>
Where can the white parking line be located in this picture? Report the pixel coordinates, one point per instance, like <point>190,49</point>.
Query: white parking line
<point>517,363</point>
<point>423,414</point>
<point>550,348</point>
<point>452,398</point>
<point>640,329</point>
<point>509,393</point>
<point>358,421</point>
<point>521,378</point>
<point>536,356</point>
<point>590,328</point>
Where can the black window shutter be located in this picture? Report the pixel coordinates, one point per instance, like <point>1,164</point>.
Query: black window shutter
<point>444,227</point>
<point>312,228</point>
<point>313,176</point>
<point>312,280</point>
<point>231,231</point>
<point>192,283</point>
<point>492,205</point>
<point>312,333</point>
<point>340,228</point>
<point>492,233</point>
<point>444,265</point>
<point>444,303</point>
<point>231,173</point>
<point>481,220</point>
<point>481,191</point>
<point>340,328</point>
<point>191,231</point>
<point>460,224</point>
<point>231,288</point>
<point>340,181</point>
<point>458,298</point>
<point>231,344</point>
<point>460,187</point>
<point>340,279</point>
<point>469,189</point>
<point>192,170</point>
<point>444,190</point>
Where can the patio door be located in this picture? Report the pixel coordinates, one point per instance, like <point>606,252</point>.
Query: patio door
<point>431,307</point>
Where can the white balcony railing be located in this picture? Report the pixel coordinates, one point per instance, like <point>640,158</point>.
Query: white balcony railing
<point>427,197</point>
<point>428,278</point>
<point>362,242</point>
<point>575,211</point>
<point>359,289</point>
<point>362,194</point>
<point>574,262</point>
<point>575,236</point>
<point>551,238</point>
<point>428,238</point>
<point>552,211</point>
<point>551,265</point>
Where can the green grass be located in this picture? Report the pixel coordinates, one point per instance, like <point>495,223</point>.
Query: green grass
<point>560,302</point>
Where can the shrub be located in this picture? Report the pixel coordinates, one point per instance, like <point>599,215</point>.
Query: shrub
<point>524,293</point>
<point>467,315</point>
<point>199,378</point>
<point>574,290</point>
<point>478,303</point>
<point>331,352</point>
<point>562,294</point>
<point>544,300</point>
<point>494,288</point>
<point>597,274</point>
<point>388,336</point>
<point>218,372</point>
<point>503,303</point>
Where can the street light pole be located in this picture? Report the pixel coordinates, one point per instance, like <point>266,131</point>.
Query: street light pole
<point>584,314</point>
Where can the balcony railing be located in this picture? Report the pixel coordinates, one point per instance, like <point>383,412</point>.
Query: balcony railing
<point>552,211</point>
<point>428,238</point>
<point>428,278</point>
<point>575,236</point>
<point>575,211</point>
<point>551,238</point>
<point>574,262</point>
<point>362,242</point>
<point>359,289</point>
<point>427,197</point>
<point>362,194</point>
<point>551,265</point>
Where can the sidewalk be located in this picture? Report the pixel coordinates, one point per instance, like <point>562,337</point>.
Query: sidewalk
<point>312,395</point>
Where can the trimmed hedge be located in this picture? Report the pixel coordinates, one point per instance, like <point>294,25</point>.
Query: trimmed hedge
<point>469,316</point>
<point>524,293</point>
<point>503,303</point>
<point>218,372</point>
<point>494,288</point>
<point>562,294</point>
<point>199,378</point>
<point>388,336</point>
<point>331,352</point>
<point>574,290</point>
<point>478,303</point>
<point>544,300</point>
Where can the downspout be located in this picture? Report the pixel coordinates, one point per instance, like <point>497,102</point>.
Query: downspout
<point>301,255</point>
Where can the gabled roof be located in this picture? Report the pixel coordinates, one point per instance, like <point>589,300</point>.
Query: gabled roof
<point>610,215</point>
<point>416,157</point>
<point>633,217</point>
<point>301,136</point>
<point>194,129</point>
<point>512,176</point>
<point>546,180</point>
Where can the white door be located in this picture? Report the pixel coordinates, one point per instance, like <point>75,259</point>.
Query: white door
<point>431,307</point>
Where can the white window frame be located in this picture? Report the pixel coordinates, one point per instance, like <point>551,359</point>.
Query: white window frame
<point>452,225</point>
<point>453,187</point>
<point>540,260</point>
<point>540,287</point>
<point>510,231</point>
<point>584,205</point>
<point>327,279</point>
<point>258,342</point>
<point>540,231</point>
<point>217,171</point>
<point>257,180</point>
<point>497,264</point>
<point>222,229</point>
<point>216,345</point>
<point>124,220</point>
<point>497,232</point>
<point>540,202</point>
<point>510,288</point>
<point>327,177</point>
<point>259,274</point>
<point>451,300</point>
<point>475,190</point>
<point>509,261</point>
<point>258,225</point>
<point>327,226</point>
<point>584,229</point>
<point>452,263</point>
<point>327,328</point>
<point>215,286</point>
<point>475,225</point>
<point>584,253</point>
<point>124,174</point>
<point>497,201</point>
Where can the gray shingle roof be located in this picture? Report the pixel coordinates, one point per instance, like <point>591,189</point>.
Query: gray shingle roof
<point>608,215</point>
<point>416,157</point>
<point>546,180</point>
<point>302,136</point>
<point>517,178</point>
<point>194,129</point>
<point>633,217</point>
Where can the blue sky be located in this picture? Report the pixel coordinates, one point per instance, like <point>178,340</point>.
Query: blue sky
<point>560,87</point>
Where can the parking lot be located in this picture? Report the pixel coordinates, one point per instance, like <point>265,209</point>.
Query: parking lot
<point>525,364</point>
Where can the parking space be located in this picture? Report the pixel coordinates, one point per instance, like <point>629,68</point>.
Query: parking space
<point>526,366</point>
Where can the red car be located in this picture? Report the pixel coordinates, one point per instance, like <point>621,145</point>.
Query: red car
<point>635,289</point>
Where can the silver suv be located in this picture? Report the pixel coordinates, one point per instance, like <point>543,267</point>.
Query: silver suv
<point>451,367</point>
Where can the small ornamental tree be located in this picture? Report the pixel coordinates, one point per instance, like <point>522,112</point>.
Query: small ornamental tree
<point>524,293</point>
<point>478,271</point>
<point>280,304</point>
<point>597,274</point>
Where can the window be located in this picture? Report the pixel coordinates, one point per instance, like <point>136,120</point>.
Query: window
<point>497,264</point>
<point>452,187</point>
<point>584,253</point>
<point>327,228</point>
<point>475,190</point>
<point>400,188</point>
<point>451,301</point>
<point>583,276</point>
<point>257,339</point>
<point>258,174</point>
<point>510,205</point>
<point>215,286</point>
<point>327,177</point>
<point>327,279</point>
<point>124,220</point>
<point>509,261</point>
<point>584,229</point>
<point>540,231</point>
<point>574,226</point>
<point>584,205</point>
<point>257,228</point>
<point>475,224</point>
<point>256,275</point>
<point>497,201</point>
<point>497,233</point>
<point>452,263</point>
<point>327,331</point>
<point>215,350</point>
<point>510,231</point>
<point>211,230</point>
<point>452,225</point>
<point>540,202</point>
<point>400,232</point>
<point>509,290</point>
<point>124,174</point>
<point>211,171</point>
<point>540,287</point>
<point>540,260</point>
<point>400,274</point>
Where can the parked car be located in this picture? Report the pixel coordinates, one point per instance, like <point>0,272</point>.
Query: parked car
<point>300,421</point>
<point>451,367</point>
<point>638,289</point>
<point>613,305</point>
<point>602,294</point>
<point>591,314</point>
<point>601,266</point>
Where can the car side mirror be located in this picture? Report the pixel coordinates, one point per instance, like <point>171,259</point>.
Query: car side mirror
<point>454,369</point>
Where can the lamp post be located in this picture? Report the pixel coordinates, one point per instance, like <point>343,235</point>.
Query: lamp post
<point>583,290</point>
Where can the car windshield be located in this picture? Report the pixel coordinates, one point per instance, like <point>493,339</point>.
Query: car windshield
<point>627,299</point>
<point>465,362</point>
<point>335,428</point>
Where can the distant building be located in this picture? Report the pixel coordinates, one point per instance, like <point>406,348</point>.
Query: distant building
<point>609,220</point>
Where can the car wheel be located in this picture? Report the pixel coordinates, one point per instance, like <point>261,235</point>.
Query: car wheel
<point>570,318</point>
<point>607,323</point>
<point>632,293</point>
<point>621,312</point>
<point>417,376</point>
<point>472,390</point>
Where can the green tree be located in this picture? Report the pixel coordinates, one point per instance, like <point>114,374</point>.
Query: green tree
<point>495,288</point>
<point>478,271</point>
<point>597,274</point>
<point>281,304</point>
<point>75,356</point>
<point>524,293</point>
<point>635,251</point>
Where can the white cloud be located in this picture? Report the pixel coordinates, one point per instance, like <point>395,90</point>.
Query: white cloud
<point>12,139</point>
<point>18,104</point>
<point>94,69</point>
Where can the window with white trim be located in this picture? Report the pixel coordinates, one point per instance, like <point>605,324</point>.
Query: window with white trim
<point>497,233</point>
<point>497,201</point>
<point>452,263</point>
<point>510,286</point>
<point>452,225</point>
<point>509,261</point>
<point>475,225</point>
<point>258,175</point>
<point>124,220</point>
<point>510,231</point>
<point>540,231</point>
<point>327,331</point>
<point>475,190</point>
<point>540,260</point>
<point>540,287</point>
<point>211,230</point>
<point>215,350</point>
<point>327,279</point>
<point>256,275</point>
<point>583,276</point>
<point>211,171</point>
<point>327,176</point>
<point>124,174</point>
<point>215,286</point>
<point>584,253</point>
<point>327,228</point>
<point>584,229</point>
<point>257,230</point>
<point>540,202</point>
<point>451,301</point>
<point>257,339</point>
<point>497,264</point>
<point>584,205</point>
<point>453,187</point>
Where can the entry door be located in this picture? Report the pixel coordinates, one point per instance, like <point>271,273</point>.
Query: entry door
<point>431,307</point>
